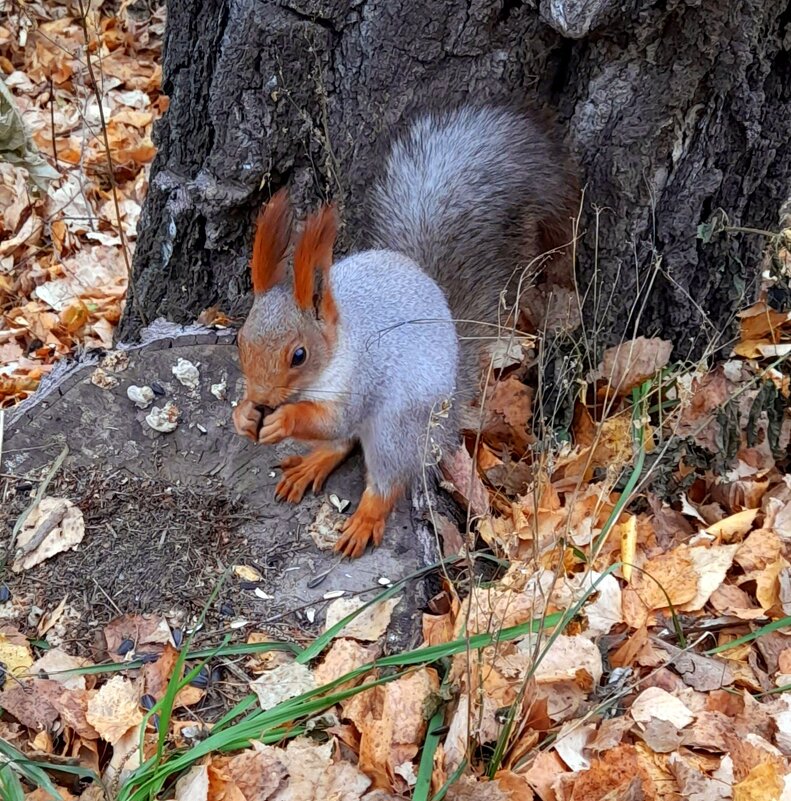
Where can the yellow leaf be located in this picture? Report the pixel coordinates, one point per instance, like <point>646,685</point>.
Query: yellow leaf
<point>762,784</point>
<point>16,657</point>
<point>628,546</point>
<point>734,525</point>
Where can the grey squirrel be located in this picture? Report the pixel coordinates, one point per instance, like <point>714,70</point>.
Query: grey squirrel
<point>373,348</point>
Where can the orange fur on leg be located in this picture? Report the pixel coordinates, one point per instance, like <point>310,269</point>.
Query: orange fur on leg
<point>301,420</point>
<point>301,471</point>
<point>367,523</point>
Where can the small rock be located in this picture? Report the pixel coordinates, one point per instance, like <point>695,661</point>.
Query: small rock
<point>102,380</point>
<point>187,373</point>
<point>116,361</point>
<point>165,419</point>
<point>142,397</point>
<point>219,390</point>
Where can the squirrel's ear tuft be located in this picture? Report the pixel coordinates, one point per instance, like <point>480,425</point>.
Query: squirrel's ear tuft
<point>272,237</point>
<point>312,262</point>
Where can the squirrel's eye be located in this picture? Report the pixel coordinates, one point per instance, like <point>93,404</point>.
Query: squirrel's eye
<point>298,357</point>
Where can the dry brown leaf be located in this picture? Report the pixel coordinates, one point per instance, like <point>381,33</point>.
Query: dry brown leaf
<point>148,633</point>
<point>734,526</point>
<point>631,363</point>
<point>313,776</point>
<point>257,774</point>
<point>761,548</point>
<point>342,657</point>
<point>54,525</point>
<point>114,709</point>
<point>729,599</point>
<point>670,576</point>
<point>32,702</point>
<point>281,683</point>
<point>193,785</point>
<point>694,783</point>
<point>72,705</point>
<point>461,479</point>
<point>392,722</point>
<point>542,775</point>
<point>710,565</point>
<point>368,625</point>
<point>54,662</point>
<point>514,785</point>
<point>614,770</point>
<point>508,410</point>
<point>656,703</point>
<point>157,674</point>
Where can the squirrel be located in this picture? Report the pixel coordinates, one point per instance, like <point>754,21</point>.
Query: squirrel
<point>375,347</point>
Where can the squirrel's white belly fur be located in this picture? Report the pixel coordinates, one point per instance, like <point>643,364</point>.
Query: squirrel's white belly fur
<point>397,349</point>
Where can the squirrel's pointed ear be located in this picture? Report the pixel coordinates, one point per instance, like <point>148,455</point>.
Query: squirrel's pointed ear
<point>272,238</point>
<point>312,262</point>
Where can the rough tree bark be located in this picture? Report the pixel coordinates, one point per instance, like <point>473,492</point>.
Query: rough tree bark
<point>673,108</point>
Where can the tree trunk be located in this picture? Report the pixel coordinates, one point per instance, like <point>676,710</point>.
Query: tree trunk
<point>674,110</point>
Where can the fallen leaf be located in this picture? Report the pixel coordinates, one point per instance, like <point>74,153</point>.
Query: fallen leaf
<point>542,775</point>
<point>656,703</point>
<point>193,785</point>
<point>15,654</point>
<point>54,663</point>
<point>281,683</point>
<point>114,709</point>
<point>734,526</point>
<point>461,479</point>
<point>54,525</point>
<point>615,770</point>
<point>668,577</point>
<point>369,625</point>
<point>32,702</point>
<point>313,776</point>
<point>257,774</point>
<point>392,721</point>
<point>763,783</point>
<point>342,657</point>
<point>148,634</point>
<point>710,565</point>
<point>629,364</point>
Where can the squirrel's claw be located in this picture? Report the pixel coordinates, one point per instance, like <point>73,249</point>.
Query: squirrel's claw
<point>358,531</point>
<point>366,524</point>
<point>299,472</point>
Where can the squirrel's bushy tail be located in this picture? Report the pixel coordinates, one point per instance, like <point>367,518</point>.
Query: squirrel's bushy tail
<point>473,195</point>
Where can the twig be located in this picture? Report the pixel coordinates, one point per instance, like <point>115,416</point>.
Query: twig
<point>52,122</point>
<point>110,166</point>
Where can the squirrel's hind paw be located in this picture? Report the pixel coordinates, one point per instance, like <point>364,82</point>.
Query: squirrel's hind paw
<point>299,472</point>
<point>366,524</point>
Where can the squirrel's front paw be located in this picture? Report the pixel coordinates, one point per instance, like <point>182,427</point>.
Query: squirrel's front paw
<point>247,419</point>
<point>277,426</point>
